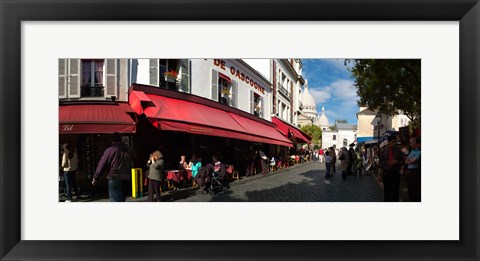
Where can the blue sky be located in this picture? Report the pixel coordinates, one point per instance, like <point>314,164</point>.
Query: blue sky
<point>331,85</point>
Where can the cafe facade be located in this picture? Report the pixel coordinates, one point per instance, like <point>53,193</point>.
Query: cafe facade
<point>203,107</point>
<point>232,110</point>
<point>93,103</point>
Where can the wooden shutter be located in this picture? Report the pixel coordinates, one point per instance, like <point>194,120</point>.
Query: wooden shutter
<point>252,102</point>
<point>185,75</point>
<point>74,78</point>
<point>214,85</point>
<point>154,74</point>
<point>234,99</point>
<point>62,78</point>
<point>111,78</point>
<point>260,113</point>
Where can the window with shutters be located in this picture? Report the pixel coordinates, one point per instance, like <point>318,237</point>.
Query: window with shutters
<point>256,104</point>
<point>224,89</point>
<point>92,76</point>
<point>167,65</point>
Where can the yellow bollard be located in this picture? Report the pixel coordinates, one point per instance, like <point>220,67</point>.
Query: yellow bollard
<point>137,182</point>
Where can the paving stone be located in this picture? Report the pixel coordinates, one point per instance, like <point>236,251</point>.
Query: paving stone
<point>305,183</point>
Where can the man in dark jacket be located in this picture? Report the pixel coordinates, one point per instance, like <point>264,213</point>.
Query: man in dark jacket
<point>117,160</point>
<point>351,154</point>
<point>391,160</point>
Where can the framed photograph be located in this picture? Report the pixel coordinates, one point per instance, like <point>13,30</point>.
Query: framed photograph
<point>36,37</point>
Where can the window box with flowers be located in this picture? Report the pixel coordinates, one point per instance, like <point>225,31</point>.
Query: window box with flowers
<point>170,76</point>
<point>258,110</point>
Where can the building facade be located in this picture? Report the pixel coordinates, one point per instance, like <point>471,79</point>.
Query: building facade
<point>231,82</point>
<point>93,103</point>
<point>368,120</point>
<point>180,106</point>
<point>342,136</point>
<point>287,80</point>
<point>308,114</point>
<point>92,79</point>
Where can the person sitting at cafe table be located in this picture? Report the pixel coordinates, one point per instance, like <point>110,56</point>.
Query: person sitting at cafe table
<point>196,164</point>
<point>192,161</point>
<point>183,162</point>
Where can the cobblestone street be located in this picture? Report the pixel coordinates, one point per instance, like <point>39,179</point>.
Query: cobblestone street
<point>305,183</point>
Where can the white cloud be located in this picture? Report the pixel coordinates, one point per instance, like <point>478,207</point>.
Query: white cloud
<point>344,90</point>
<point>340,63</point>
<point>332,115</point>
<point>320,96</point>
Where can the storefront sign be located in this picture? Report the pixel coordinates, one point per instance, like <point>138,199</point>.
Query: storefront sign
<point>200,130</point>
<point>67,127</point>
<point>240,75</point>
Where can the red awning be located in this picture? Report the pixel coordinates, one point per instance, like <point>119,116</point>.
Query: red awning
<point>225,77</point>
<point>136,99</point>
<point>173,114</point>
<point>96,118</point>
<point>285,128</point>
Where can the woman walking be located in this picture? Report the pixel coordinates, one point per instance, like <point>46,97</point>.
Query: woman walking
<point>70,166</point>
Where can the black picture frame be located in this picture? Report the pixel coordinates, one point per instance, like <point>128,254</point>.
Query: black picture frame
<point>467,12</point>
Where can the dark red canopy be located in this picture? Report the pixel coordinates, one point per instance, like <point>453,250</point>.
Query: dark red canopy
<point>96,118</point>
<point>172,114</point>
<point>285,128</point>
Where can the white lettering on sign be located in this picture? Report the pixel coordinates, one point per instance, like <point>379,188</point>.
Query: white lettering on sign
<point>68,127</point>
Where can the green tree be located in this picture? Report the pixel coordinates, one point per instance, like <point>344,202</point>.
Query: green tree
<point>389,85</point>
<point>315,132</point>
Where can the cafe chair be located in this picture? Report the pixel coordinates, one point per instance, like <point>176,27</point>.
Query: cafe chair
<point>272,168</point>
<point>169,185</point>
<point>236,175</point>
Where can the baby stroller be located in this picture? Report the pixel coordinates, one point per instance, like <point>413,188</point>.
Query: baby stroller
<point>218,180</point>
<point>203,179</point>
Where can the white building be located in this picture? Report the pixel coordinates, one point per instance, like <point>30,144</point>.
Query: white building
<point>308,107</point>
<point>287,80</point>
<point>343,136</point>
<point>323,120</point>
<point>232,82</point>
<point>309,113</point>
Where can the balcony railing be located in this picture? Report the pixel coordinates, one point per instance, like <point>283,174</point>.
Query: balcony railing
<point>92,91</point>
<point>283,90</point>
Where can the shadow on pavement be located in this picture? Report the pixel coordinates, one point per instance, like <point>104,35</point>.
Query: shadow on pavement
<point>313,188</point>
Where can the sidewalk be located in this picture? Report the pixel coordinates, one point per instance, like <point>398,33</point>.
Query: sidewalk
<point>172,195</point>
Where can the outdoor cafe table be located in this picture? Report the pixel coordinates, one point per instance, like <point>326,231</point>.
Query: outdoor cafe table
<point>177,176</point>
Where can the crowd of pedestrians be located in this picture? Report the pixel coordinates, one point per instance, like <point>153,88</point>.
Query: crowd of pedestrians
<point>117,161</point>
<point>392,163</point>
